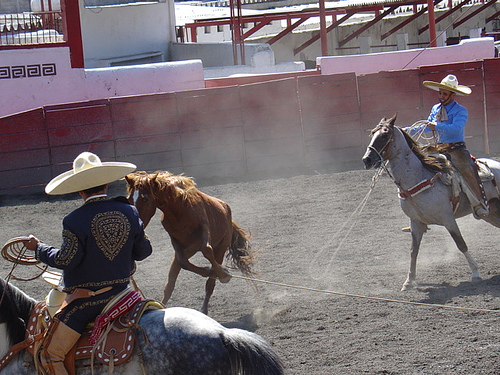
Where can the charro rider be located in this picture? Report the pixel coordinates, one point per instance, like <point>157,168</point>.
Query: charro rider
<point>447,119</point>
<point>101,241</point>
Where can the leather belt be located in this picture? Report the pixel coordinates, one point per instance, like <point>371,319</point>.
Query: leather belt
<point>452,145</point>
<point>82,293</point>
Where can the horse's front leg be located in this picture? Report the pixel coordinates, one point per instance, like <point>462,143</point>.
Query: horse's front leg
<point>182,254</point>
<point>217,270</point>
<point>208,252</point>
<point>417,231</point>
<point>462,246</point>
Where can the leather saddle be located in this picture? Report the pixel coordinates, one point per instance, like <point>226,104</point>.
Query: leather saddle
<point>115,345</point>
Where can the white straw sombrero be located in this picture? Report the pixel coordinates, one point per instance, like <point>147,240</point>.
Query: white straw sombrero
<point>450,83</point>
<point>88,172</point>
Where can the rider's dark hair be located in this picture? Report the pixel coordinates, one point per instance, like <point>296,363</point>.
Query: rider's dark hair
<point>95,189</point>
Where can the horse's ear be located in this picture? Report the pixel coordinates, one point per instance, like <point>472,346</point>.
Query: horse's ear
<point>130,179</point>
<point>392,120</point>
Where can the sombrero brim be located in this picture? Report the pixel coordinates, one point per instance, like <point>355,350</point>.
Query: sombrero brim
<point>460,90</point>
<point>70,182</point>
<point>53,278</point>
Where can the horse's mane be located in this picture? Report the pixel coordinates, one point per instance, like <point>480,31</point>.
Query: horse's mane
<point>432,163</point>
<point>163,182</point>
<point>15,310</point>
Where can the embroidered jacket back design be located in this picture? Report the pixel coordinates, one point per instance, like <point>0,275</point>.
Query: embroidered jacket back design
<point>110,231</point>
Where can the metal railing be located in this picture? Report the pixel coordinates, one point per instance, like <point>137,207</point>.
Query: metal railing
<point>29,28</point>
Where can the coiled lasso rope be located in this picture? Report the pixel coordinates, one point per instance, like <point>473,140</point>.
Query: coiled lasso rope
<point>15,251</point>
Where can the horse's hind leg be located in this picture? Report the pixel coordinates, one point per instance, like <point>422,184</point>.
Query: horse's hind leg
<point>173,272</point>
<point>417,231</point>
<point>462,246</point>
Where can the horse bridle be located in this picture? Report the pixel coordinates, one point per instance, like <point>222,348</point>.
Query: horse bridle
<point>383,150</point>
<point>410,193</point>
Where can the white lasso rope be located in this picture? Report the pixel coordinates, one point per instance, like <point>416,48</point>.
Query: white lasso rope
<point>417,132</point>
<point>343,233</point>
<point>366,297</point>
<point>14,251</point>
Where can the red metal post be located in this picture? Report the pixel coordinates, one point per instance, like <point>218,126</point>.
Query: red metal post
<point>322,28</point>
<point>432,23</point>
<point>73,31</point>
<point>240,33</point>
<point>233,31</point>
<point>194,37</point>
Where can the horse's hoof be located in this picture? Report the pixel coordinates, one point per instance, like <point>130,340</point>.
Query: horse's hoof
<point>477,279</point>
<point>225,279</point>
<point>407,287</point>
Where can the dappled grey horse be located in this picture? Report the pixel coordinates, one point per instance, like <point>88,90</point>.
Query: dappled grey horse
<point>426,195</point>
<point>173,341</point>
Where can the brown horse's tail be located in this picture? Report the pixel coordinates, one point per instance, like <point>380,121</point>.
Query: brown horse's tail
<point>240,252</point>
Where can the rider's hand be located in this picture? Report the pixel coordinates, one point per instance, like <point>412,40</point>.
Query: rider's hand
<point>431,125</point>
<point>31,243</point>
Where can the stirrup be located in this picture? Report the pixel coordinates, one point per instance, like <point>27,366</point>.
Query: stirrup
<point>480,211</point>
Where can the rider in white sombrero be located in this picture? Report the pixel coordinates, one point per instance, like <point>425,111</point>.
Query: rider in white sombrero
<point>88,171</point>
<point>449,83</point>
<point>447,120</point>
<point>102,240</point>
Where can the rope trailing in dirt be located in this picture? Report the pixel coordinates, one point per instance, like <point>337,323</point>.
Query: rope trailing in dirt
<point>329,250</point>
<point>366,297</point>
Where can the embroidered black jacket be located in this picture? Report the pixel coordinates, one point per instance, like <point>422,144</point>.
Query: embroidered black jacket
<point>101,242</point>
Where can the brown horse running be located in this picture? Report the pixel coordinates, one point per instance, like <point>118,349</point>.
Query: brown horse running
<point>195,222</point>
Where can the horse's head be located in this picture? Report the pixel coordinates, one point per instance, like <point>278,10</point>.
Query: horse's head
<point>382,137</point>
<point>140,193</point>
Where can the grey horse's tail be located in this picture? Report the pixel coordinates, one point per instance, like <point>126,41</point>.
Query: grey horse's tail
<point>250,354</point>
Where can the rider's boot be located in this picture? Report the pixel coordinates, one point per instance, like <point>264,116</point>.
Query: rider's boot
<point>476,195</point>
<point>58,342</point>
<point>461,160</point>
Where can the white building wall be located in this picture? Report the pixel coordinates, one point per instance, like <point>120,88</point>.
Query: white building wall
<point>467,50</point>
<point>110,32</point>
<point>32,78</point>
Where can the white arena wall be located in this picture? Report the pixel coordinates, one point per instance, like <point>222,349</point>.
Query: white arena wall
<point>33,78</point>
<point>466,50</point>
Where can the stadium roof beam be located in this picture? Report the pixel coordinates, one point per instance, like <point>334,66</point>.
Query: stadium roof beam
<point>289,29</point>
<point>407,21</point>
<point>476,12</point>
<point>368,25</point>
<point>492,17</point>
<point>445,14</point>
<point>328,29</point>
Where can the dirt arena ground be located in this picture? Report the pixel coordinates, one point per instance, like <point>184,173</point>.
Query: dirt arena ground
<point>314,232</point>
